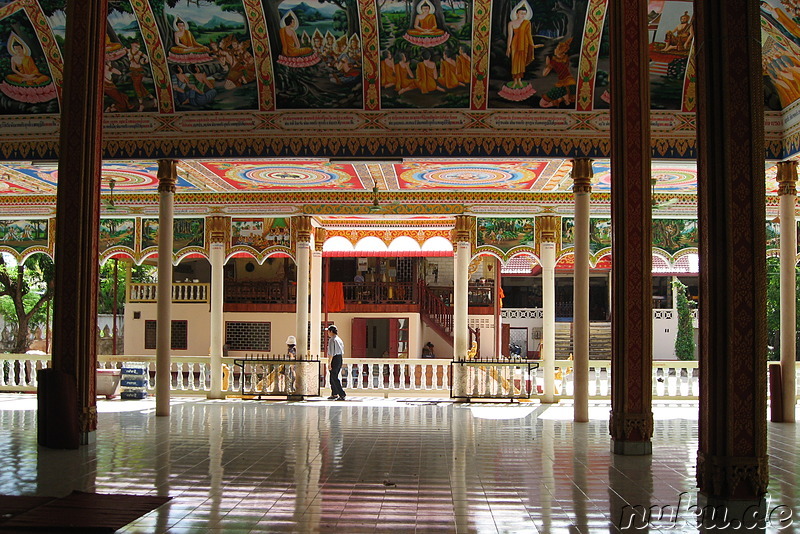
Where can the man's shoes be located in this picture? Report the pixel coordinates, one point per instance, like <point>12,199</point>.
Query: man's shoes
<point>340,398</point>
<point>333,397</point>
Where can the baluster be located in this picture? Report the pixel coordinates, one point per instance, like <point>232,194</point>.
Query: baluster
<point>179,376</point>
<point>402,377</point>
<point>151,379</point>
<point>446,377</point>
<point>203,374</point>
<point>390,382</point>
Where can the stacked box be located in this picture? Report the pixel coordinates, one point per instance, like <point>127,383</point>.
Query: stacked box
<point>134,380</point>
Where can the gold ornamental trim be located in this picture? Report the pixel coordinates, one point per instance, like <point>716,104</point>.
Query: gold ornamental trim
<point>787,178</point>
<point>723,475</point>
<point>582,173</point>
<point>622,426</point>
<point>302,225</point>
<point>548,228</point>
<point>320,235</point>
<point>218,228</point>
<point>167,175</point>
<point>464,229</point>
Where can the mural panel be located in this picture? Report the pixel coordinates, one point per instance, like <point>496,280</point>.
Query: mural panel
<point>22,235</point>
<point>599,233</point>
<point>186,233</point>
<point>317,53</point>
<point>260,234</point>
<point>117,233</point>
<point>780,42</point>
<point>506,234</point>
<point>209,54</point>
<point>670,23</point>
<point>127,76</point>
<point>26,84</point>
<point>535,49</point>
<point>426,48</point>
<point>673,235</point>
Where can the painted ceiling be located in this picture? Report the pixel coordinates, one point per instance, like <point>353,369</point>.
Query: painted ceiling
<point>303,106</point>
<point>220,79</point>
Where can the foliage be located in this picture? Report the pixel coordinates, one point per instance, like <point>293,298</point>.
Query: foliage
<point>774,308</point>
<point>340,21</point>
<point>25,289</point>
<point>684,341</point>
<point>145,274</point>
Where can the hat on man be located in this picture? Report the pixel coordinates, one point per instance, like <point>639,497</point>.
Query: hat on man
<point>291,340</point>
<point>333,329</point>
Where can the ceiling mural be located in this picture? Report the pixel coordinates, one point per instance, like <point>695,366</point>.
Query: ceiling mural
<point>416,78</point>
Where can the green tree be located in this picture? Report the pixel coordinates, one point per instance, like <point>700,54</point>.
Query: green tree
<point>684,341</point>
<point>25,288</point>
<point>145,274</point>
<point>774,308</point>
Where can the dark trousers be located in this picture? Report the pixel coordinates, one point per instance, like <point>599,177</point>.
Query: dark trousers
<point>336,384</point>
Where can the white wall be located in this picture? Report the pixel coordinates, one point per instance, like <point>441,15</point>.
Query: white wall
<point>665,329</point>
<point>197,315</point>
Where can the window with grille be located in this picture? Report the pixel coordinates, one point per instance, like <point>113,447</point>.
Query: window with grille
<point>245,335</point>
<point>179,334</point>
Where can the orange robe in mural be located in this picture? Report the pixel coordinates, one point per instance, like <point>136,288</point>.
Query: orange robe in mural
<point>388,77</point>
<point>25,71</point>
<point>290,46</point>
<point>521,48</point>
<point>463,68</point>
<point>428,26</point>
<point>447,74</point>
<point>402,79</point>
<point>426,78</point>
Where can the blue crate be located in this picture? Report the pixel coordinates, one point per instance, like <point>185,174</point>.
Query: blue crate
<point>133,382</point>
<point>134,370</point>
<point>133,394</point>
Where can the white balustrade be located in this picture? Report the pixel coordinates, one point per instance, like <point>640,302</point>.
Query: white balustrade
<point>181,292</point>
<point>678,380</point>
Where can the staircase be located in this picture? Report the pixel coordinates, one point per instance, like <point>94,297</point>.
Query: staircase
<point>435,314</point>
<point>599,341</point>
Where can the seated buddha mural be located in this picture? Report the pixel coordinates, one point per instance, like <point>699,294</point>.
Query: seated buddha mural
<point>425,31</point>
<point>25,82</point>
<point>187,51</point>
<point>293,54</point>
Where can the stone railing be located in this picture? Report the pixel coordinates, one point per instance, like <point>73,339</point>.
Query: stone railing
<point>181,292</point>
<point>369,376</point>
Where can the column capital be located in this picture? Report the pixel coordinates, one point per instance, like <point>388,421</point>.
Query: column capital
<point>319,238</point>
<point>582,173</point>
<point>218,228</point>
<point>167,175</point>
<point>464,229</point>
<point>787,178</point>
<point>302,228</point>
<point>548,228</point>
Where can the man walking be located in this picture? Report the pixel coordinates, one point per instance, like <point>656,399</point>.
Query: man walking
<point>335,355</point>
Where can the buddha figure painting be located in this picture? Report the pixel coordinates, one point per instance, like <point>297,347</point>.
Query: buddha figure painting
<point>187,51</point>
<point>425,31</point>
<point>293,54</point>
<point>114,50</point>
<point>25,83</point>
<point>519,49</point>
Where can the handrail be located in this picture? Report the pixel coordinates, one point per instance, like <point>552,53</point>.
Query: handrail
<point>181,292</point>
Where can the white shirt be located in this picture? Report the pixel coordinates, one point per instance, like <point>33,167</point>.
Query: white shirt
<point>335,346</point>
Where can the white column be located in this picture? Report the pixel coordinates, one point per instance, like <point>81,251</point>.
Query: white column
<point>217,257</point>
<point>316,293</point>
<point>547,251</point>
<point>462,236</point>
<point>461,300</point>
<point>582,189</point>
<point>787,193</point>
<point>167,173</point>
<point>303,258</point>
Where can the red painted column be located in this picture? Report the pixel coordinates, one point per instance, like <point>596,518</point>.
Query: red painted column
<point>732,467</point>
<point>631,424</point>
<point>78,220</point>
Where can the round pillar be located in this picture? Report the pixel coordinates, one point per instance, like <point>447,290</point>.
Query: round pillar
<point>582,189</point>
<point>548,230</point>
<point>787,193</point>
<point>167,178</point>
<point>218,237</point>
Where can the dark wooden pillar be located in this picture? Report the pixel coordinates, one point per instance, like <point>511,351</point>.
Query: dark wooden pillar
<point>631,424</point>
<point>77,228</point>
<point>732,461</point>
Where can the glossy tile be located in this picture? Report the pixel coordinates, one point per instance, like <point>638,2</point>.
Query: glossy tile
<point>376,465</point>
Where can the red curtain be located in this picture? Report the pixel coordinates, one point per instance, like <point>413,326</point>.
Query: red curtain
<point>335,297</point>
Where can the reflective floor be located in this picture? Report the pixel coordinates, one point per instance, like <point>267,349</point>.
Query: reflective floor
<point>381,465</point>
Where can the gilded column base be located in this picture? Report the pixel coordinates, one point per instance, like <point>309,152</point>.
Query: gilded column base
<point>732,478</point>
<point>631,433</point>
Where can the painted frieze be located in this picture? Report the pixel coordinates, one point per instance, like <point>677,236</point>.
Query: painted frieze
<point>260,234</point>
<point>535,50</point>
<point>506,234</point>
<point>21,236</point>
<point>186,233</point>
<point>426,54</point>
<point>317,53</point>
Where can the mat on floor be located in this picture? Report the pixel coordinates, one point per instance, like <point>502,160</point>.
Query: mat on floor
<point>77,512</point>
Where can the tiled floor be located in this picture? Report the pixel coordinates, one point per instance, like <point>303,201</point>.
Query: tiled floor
<point>377,465</point>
